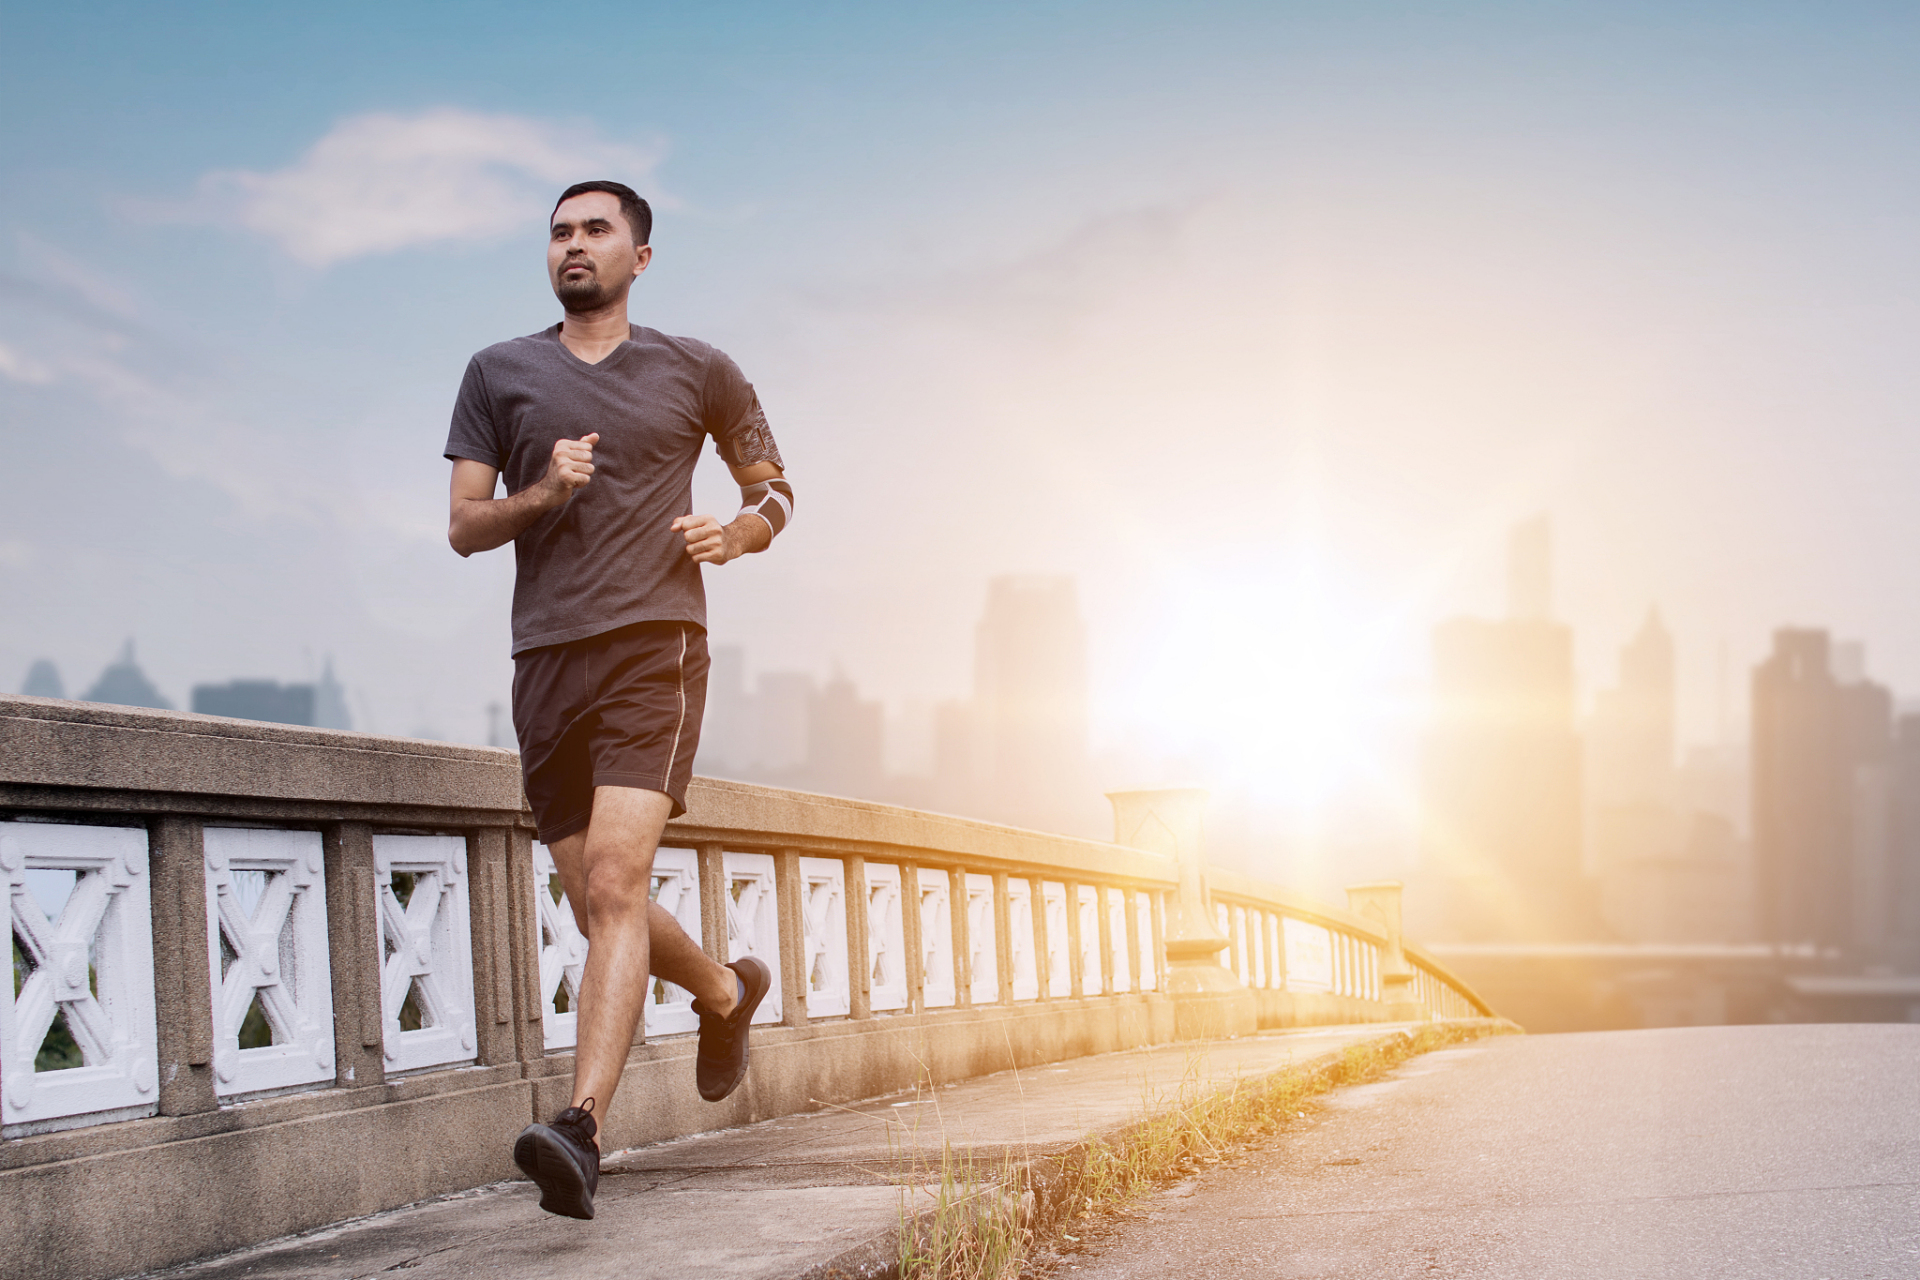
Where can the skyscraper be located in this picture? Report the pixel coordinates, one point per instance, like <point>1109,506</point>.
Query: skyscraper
<point>266,700</point>
<point>43,680</point>
<point>330,701</point>
<point>125,684</point>
<point>1501,778</point>
<point>844,733</point>
<point>1819,744</point>
<point>1030,701</point>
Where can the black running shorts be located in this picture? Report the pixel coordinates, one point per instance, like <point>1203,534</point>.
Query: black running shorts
<point>620,709</point>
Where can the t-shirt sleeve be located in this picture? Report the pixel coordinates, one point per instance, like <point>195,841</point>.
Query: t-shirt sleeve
<point>474,434</point>
<point>732,416</point>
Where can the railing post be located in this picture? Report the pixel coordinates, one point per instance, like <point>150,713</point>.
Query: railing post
<point>1042,966</point>
<point>1103,926</point>
<point>1076,976</point>
<point>1159,911</point>
<point>962,944</point>
<point>353,942</point>
<point>182,980</point>
<point>1130,907</point>
<point>793,937</point>
<point>910,930</point>
<point>713,901</point>
<point>488,885</point>
<point>859,947</point>
<point>1380,903</point>
<point>523,946</point>
<point>1208,999</point>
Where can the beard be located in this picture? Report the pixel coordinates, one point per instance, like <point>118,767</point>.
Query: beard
<point>586,293</point>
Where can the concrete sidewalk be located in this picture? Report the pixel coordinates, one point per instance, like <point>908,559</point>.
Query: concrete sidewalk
<point>1698,1153</point>
<point>804,1193</point>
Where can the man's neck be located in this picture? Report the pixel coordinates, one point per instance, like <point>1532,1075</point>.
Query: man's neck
<point>594,335</point>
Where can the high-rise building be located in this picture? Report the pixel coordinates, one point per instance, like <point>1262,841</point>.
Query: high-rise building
<point>1670,870</point>
<point>727,728</point>
<point>265,700</point>
<point>1631,741</point>
<point>1821,747</point>
<point>781,705</point>
<point>1902,886</point>
<point>1501,779</point>
<point>124,684</point>
<point>844,740</point>
<point>43,680</point>
<point>1029,715</point>
<point>330,701</point>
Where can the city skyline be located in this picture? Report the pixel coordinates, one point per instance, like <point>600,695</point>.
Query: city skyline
<point>1292,338</point>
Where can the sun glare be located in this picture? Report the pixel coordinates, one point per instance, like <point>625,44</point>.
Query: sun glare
<point>1281,684</point>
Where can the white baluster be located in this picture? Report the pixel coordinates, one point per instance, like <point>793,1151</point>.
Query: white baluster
<point>936,940</point>
<point>823,910</point>
<point>886,939</point>
<point>1059,954</point>
<point>981,941</point>
<point>81,914</point>
<point>426,973</point>
<point>753,921</point>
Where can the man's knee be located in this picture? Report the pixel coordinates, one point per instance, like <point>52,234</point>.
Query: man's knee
<point>618,887</point>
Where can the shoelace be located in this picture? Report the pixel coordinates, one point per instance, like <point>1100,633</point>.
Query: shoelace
<point>578,1122</point>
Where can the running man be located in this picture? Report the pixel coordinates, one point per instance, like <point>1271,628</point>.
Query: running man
<point>596,425</point>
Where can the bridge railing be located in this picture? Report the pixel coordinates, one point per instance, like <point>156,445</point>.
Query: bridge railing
<point>1335,965</point>
<point>240,948</point>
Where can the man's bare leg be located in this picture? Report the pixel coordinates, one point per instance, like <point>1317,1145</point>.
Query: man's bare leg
<point>607,872</point>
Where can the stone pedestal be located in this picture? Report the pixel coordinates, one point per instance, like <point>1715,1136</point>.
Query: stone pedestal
<point>1208,1000</point>
<point>1380,903</point>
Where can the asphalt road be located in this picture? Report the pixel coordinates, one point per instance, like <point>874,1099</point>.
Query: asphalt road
<point>1738,1152</point>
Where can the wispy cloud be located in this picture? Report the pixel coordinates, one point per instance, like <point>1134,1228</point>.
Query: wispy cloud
<point>21,367</point>
<point>382,182</point>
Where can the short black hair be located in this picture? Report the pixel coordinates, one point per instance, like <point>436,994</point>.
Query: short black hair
<point>637,212</point>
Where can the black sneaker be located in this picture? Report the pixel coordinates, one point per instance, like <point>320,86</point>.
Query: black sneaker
<point>562,1161</point>
<point>721,1063</point>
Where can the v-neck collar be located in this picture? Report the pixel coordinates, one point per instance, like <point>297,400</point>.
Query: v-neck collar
<point>603,361</point>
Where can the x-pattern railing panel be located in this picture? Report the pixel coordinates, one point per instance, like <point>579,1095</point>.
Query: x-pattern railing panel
<point>426,972</point>
<point>267,947</point>
<point>823,914</point>
<point>1143,925</point>
<point>89,961</point>
<point>563,955</point>
<point>982,945</point>
<point>676,887</point>
<point>939,990</point>
<point>1309,949</point>
<point>1093,981</point>
<point>886,940</point>
<point>1117,940</point>
<point>753,920</point>
<point>1242,952</point>
<point>1059,959</point>
<point>1026,970</point>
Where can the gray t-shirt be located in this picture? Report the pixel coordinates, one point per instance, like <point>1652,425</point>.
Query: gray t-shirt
<point>609,557</point>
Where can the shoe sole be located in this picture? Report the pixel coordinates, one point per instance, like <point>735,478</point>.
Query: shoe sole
<point>546,1160</point>
<point>754,998</point>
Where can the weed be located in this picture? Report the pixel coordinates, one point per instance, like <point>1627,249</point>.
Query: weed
<point>985,1217</point>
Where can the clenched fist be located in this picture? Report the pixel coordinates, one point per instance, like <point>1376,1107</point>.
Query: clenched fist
<point>571,467</point>
<point>706,539</point>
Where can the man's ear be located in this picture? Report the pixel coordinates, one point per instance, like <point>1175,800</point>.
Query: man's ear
<point>641,259</point>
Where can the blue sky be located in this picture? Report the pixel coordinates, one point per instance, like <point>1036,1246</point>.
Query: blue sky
<point>1258,319</point>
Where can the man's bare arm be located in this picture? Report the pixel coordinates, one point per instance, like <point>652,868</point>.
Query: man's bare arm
<point>478,521</point>
<point>710,542</point>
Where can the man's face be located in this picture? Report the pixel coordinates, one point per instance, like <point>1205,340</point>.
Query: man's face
<point>591,258</point>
